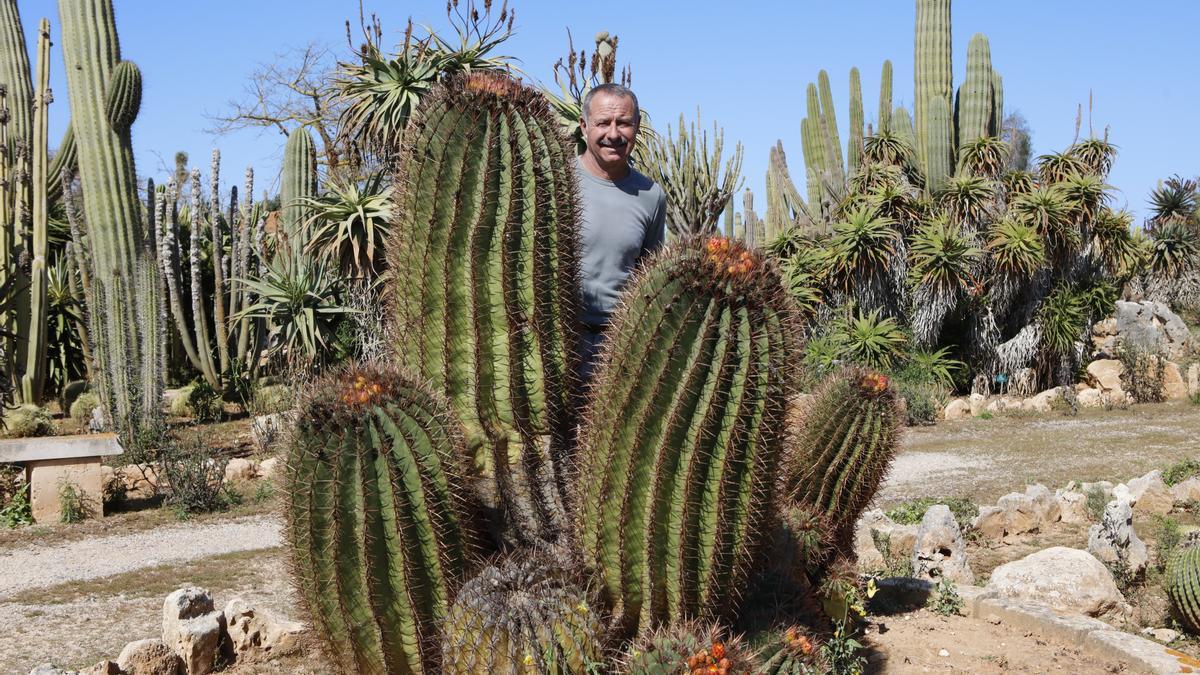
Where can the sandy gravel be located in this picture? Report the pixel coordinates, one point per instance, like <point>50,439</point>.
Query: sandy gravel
<point>41,566</point>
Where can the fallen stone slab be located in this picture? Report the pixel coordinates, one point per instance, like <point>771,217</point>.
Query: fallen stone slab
<point>1139,652</point>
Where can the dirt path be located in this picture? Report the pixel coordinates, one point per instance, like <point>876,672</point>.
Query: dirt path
<point>984,459</point>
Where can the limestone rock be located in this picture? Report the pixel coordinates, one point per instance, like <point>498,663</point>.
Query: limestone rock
<point>104,667</point>
<point>1193,379</point>
<point>149,657</point>
<point>1187,491</point>
<point>1115,543</point>
<point>1018,513</point>
<point>1043,402</point>
<point>1150,494</point>
<point>865,551</point>
<point>1105,487</point>
<point>257,635</point>
<point>1165,635</point>
<point>978,404</point>
<point>192,628</point>
<point>1154,327</point>
<point>1065,579</point>
<point>268,468</point>
<point>1002,404</point>
<point>1174,388</point>
<point>1105,374</point>
<point>240,470</point>
<point>51,669</point>
<point>1072,507</point>
<point>1045,505</point>
<point>957,409</point>
<point>1090,398</point>
<point>900,538</point>
<point>939,551</point>
<point>990,523</point>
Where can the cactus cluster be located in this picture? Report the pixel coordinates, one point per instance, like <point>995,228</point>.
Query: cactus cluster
<point>299,182</point>
<point>793,652</point>
<point>485,259</point>
<point>690,647</point>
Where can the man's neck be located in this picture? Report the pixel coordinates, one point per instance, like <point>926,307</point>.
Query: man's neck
<point>614,174</point>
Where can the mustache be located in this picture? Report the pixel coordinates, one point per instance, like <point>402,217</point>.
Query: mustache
<point>617,144</point>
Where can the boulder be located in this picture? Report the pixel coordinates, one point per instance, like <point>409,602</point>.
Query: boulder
<point>1045,505</point>
<point>900,538</point>
<point>1065,579</point>
<point>1174,388</point>
<point>1090,398</point>
<point>1149,494</point>
<point>1018,513</point>
<point>957,409</point>
<point>1002,404</point>
<point>1187,491</point>
<point>865,551</point>
<point>1193,379</point>
<point>141,480</point>
<point>1043,402</point>
<point>1072,507</point>
<point>1105,487</point>
<point>240,470</point>
<point>257,635</point>
<point>990,523</point>
<point>939,551</point>
<point>1152,326</point>
<point>149,657</point>
<point>978,404</point>
<point>268,468</point>
<point>104,667</point>
<point>1105,375</point>
<point>192,628</point>
<point>1114,542</point>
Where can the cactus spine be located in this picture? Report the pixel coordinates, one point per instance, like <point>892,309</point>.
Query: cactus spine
<point>115,228</point>
<point>1183,587</point>
<point>688,647</point>
<point>885,98</point>
<point>855,147</point>
<point>299,182</point>
<point>378,532</point>
<point>934,76</point>
<point>486,284</point>
<point>684,429</point>
<point>975,98</point>
<point>843,450</point>
<point>525,615</point>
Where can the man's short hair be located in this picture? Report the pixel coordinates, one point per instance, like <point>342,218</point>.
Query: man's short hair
<point>612,89</point>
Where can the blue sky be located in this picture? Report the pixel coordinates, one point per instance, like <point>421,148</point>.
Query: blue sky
<point>744,64</point>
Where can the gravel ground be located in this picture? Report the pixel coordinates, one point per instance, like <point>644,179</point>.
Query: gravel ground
<point>41,566</point>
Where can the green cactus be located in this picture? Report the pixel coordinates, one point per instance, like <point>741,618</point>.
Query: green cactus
<point>124,96</point>
<point>35,328</point>
<point>299,181</point>
<point>841,453</point>
<point>793,652</point>
<point>855,144</point>
<point>377,529</point>
<point>834,163</point>
<point>974,106</point>
<point>939,148</point>
<point>1183,587</point>
<point>683,433</point>
<point>486,295</point>
<point>687,647</point>
<point>902,126</point>
<point>997,127</point>
<point>885,98</point>
<point>524,615</point>
<point>933,74</point>
<point>116,232</point>
<point>811,153</point>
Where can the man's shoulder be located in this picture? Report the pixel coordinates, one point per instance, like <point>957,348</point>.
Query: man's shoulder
<point>644,183</point>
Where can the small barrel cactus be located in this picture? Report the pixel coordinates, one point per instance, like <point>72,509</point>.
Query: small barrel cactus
<point>378,534</point>
<point>678,458</point>
<point>1183,587</point>
<point>688,647</point>
<point>525,615</point>
<point>793,653</point>
<point>843,448</point>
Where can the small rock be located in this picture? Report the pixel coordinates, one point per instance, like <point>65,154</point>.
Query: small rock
<point>104,667</point>
<point>240,470</point>
<point>1174,388</point>
<point>900,538</point>
<point>939,551</point>
<point>1106,487</point>
<point>1043,402</point>
<point>1165,635</point>
<point>1065,579</point>
<point>51,669</point>
<point>1020,514</point>
<point>257,635</point>
<point>1002,404</point>
<point>865,551</point>
<point>943,652</point>
<point>1150,494</point>
<point>1090,398</point>
<point>1193,379</point>
<point>990,523</point>
<point>268,468</point>
<point>1072,507</point>
<point>149,657</point>
<point>1106,374</point>
<point>1114,542</point>
<point>1187,491</point>
<point>192,628</point>
<point>978,403</point>
<point>1045,505</point>
<point>957,409</point>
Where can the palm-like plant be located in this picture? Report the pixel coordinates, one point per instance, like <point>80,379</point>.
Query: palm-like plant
<point>1113,242</point>
<point>1056,166</point>
<point>350,222</point>
<point>1097,155</point>
<point>967,199</point>
<point>933,366</point>
<point>1017,183</point>
<point>64,315</point>
<point>1086,195</point>
<point>984,157</point>
<point>1174,200</point>
<point>1046,208</point>
<point>1063,317</point>
<point>871,340</point>
<point>875,175</point>
<point>1174,248</point>
<point>863,242</point>
<point>896,201</point>
<point>943,256</point>
<point>802,274</point>
<point>1016,248</point>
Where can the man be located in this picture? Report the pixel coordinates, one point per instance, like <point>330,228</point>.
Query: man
<point>623,211</point>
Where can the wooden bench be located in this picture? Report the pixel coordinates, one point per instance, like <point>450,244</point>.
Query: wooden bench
<point>50,461</point>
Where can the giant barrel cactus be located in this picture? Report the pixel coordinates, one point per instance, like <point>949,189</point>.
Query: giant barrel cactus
<point>842,449</point>
<point>1183,587</point>
<point>378,534</point>
<point>678,456</point>
<point>525,615</point>
<point>485,261</point>
<point>688,647</point>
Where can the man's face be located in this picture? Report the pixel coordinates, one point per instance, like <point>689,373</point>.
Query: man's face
<point>610,129</point>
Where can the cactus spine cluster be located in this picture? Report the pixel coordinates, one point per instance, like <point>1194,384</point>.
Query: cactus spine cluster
<point>299,181</point>
<point>1183,587</point>
<point>379,533</point>
<point>524,615</point>
<point>842,451</point>
<point>116,229</point>
<point>688,647</point>
<point>677,458</point>
<point>794,653</point>
<point>485,258</point>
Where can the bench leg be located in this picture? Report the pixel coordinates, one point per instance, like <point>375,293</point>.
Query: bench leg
<point>46,476</point>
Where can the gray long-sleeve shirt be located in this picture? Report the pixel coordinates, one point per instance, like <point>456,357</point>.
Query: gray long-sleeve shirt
<point>622,221</point>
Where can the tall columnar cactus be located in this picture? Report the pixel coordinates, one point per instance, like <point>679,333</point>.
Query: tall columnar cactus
<point>939,144</point>
<point>846,440</point>
<point>524,615</point>
<point>834,163</point>
<point>997,128</point>
<point>902,125</point>
<point>974,109</point>
<point>299,182</point>
<point>933,75</point>
<point>115,226</point>
<point>33,333</point>
<point>1183,587</point>
<point>678,455</point>
<point>376,525</point>
<point>854,146</point>
<point>485,259</point>
<point>885,98</point>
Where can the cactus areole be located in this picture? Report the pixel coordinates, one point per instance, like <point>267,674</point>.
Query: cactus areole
<point>678,455</point>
